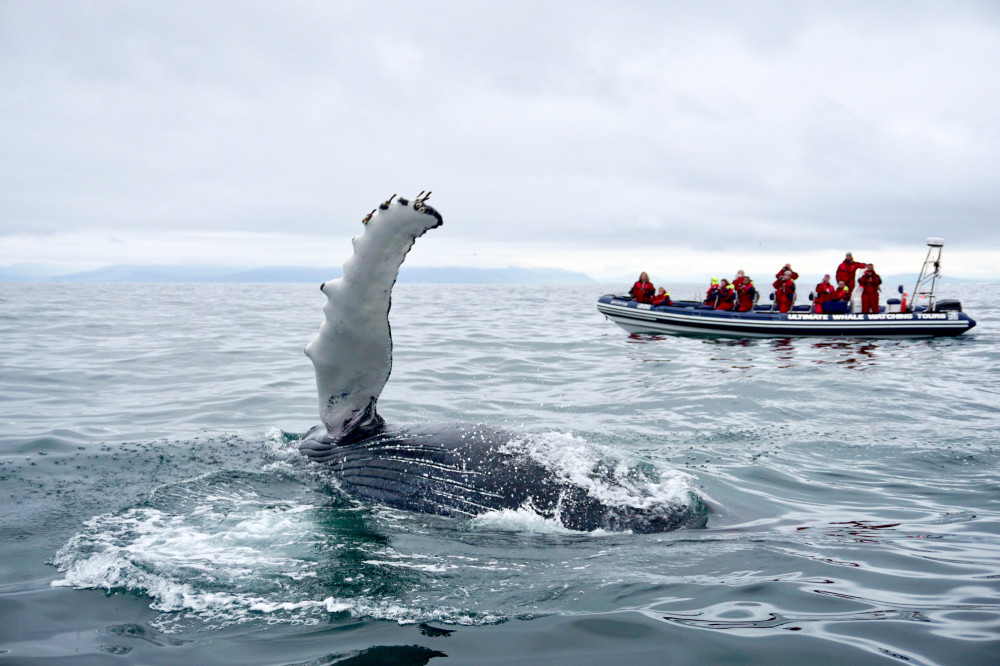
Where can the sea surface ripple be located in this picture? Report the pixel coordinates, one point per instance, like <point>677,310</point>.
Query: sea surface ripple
<point>155,509</point>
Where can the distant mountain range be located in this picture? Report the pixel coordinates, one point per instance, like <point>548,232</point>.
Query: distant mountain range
<point>308,274</point>
<point>311,274</point>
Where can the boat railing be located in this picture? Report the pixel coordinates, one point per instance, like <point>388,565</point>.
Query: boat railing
<point>930,273</point>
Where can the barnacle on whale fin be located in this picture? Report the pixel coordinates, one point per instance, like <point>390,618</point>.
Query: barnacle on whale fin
<point>418,203</point>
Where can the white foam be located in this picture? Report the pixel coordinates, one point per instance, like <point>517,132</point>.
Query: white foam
<point>285,456</point>
<point>395,612</point>
<point>231,559</point>
<point>173,558</point>
<point>523,519</point>
<point>286,606</point>
<point>605,476</point>
<point>427,568</point>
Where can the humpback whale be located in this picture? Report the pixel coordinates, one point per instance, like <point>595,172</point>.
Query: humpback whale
<point>459,470</point>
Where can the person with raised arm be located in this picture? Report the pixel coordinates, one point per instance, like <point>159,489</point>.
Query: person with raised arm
<point>870,284</point>
<point>787,268</point>
<point>847,270</point>
<point>784,290</point>
<point>739,280</point>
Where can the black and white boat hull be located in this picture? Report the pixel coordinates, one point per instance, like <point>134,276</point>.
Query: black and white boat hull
<point>691,318</point>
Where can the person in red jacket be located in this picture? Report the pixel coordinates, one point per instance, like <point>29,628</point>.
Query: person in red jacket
<point>824,293</point>
<point>739,280</point>
<point>727,296</point>
<point>787,267</point>
<point>847,270</point>
<point>747,294</point>
<point>870,283</point>
<point>662,297</point>
<point>712,295</point>
<point>784,290</point>
<point>642,290</point>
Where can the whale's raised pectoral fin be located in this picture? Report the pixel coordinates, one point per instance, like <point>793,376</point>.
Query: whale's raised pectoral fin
<point>352,354</point>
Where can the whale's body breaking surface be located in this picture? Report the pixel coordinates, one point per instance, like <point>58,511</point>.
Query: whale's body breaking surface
<point>451,470</point>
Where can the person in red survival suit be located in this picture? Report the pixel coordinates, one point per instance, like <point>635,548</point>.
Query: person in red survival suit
<point>824,293</point>
<point>784,291</point>
<point>727,296</point>
<point>662,297</point>
<point>847,270</point>
<point>787,267</point>
<point>747,293</point>
<point>739,280</point>
<point>712,295</point>
<point>842,293</point>
<point>642,290</point>
<point>870,283</point>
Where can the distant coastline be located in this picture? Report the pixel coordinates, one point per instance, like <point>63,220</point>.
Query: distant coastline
<point>313,274</point>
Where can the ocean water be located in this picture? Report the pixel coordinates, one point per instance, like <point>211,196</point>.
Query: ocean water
<point>154,509</point>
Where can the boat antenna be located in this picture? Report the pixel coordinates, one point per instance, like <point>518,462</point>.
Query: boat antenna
<point>930,273</point>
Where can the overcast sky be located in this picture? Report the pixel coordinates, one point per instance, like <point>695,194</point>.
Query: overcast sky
<point>606,137</point>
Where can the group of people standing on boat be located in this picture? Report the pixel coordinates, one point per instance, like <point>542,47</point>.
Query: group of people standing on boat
<point>870,283</point>
<point>740,294</point>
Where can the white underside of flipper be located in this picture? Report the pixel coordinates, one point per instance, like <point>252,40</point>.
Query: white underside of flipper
<point>352,354</point>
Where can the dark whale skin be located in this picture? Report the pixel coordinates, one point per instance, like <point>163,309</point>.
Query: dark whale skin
<point>463,471</point>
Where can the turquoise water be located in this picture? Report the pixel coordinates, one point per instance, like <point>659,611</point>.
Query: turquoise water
<point>153,507</point>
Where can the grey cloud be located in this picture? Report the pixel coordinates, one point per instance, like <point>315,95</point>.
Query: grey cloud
<point>800,123</point>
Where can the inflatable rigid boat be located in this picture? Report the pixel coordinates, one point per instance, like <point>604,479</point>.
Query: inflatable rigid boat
<point>895,320</point>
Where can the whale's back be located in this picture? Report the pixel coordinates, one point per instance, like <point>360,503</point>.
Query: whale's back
<point>465,471</point>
